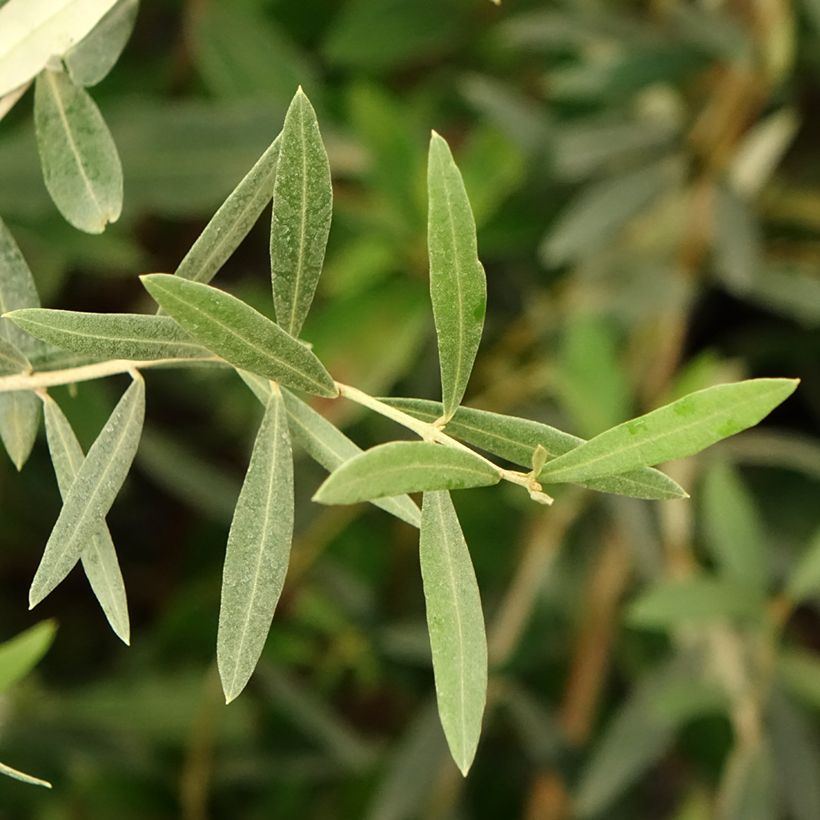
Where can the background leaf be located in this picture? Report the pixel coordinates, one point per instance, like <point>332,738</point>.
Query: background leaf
<point>456,625</point>
<point>19,655</point>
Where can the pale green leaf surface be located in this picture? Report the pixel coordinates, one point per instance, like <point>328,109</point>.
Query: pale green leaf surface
<point>89,61</point>
<point>673,431</point>
<point>19,411</point>
<point>695,600</point>
<point>404,467</point>
<point>516,440</point>
<point>456,626</point>
<point>733,530</point>
<point>805,578</point>
<point>99,558</point>
<point>12,359</point>
<point>110,335</point>
<point>20,654</point>
<point>239,334</point>
<point>233,221</point>
<point>326,444</point>
<point>93,491</point>
<point>258,552</point>
<point>16,774</point>
<point>748,790</point>
<point>81,167</point>
<point>33,31</point>
<point>799,672</point>
<point>302,210</point>
<point>458,287</point>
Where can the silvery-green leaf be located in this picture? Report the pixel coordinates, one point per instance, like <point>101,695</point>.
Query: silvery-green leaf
<point>458,288</point>
<point>733,530</point>
<point>804,581</point>
<point>258,551</point>
<point>456,625</point>
<point>34,31</point>
<point>302,210</point>
<point>25,778</point>
<point>12,359</point>
<point>326,444</point>
<point>242,336</point>
<point>19,411</point>
<point>233,221</point>
<point>516,440</point>
<point>89,61</point>
<point>99,558</point>
<point>20,654</point>
<point>404,467</point>
<point>110,335</point>
<point>676,430</point>
<point>695,600</point>
<point>81,167</point>
<point>95,487</point>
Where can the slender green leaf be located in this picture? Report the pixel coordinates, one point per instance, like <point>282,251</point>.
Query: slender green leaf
<point>81,167</point>
<point>258,552</point>
<point>673,431</point>
<point>25,778</point>
<point>516,440</point>
<point>302,210</point>
<point>456,625</point>
<point>239,334</point>
<point>34,31</point>
<point>110,335</point>
<point>12,359</point>
<point>20,654</point>
<point>326,444</point>
<point>99,558</point>
<point>695,600</point>
<point>19,411</point>
<point>90,60</point>
<point>805,578</point>
<point>404,467</point>
<point>458,288</point>
<point>95,486</point>
<point>233,221</point>
<point>733,530</point>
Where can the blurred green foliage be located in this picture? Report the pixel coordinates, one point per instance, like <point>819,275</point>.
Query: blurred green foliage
<point>647,190</point>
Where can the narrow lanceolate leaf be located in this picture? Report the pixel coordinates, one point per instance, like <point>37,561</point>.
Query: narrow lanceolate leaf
<point>25,778</point>
<point>233,221</point>
<point>95,486</point>
<point>110,335</point>
<point>81,167</point>
<point>674,431</point>
<point>34,31</point>
<point>258,551</point>
<point>405,467</point>
<point>239,334</point>
<point>517,439</point>
<point>99,558</point>
<point>89,61</point>
<point>302,209</point>
<point>19,411</point>
<point>458,287</point>
<point>12,359</point>
<point>326,444</point>
<point>456,626</point>
<point>22,653</point>
<point>805,578</point>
